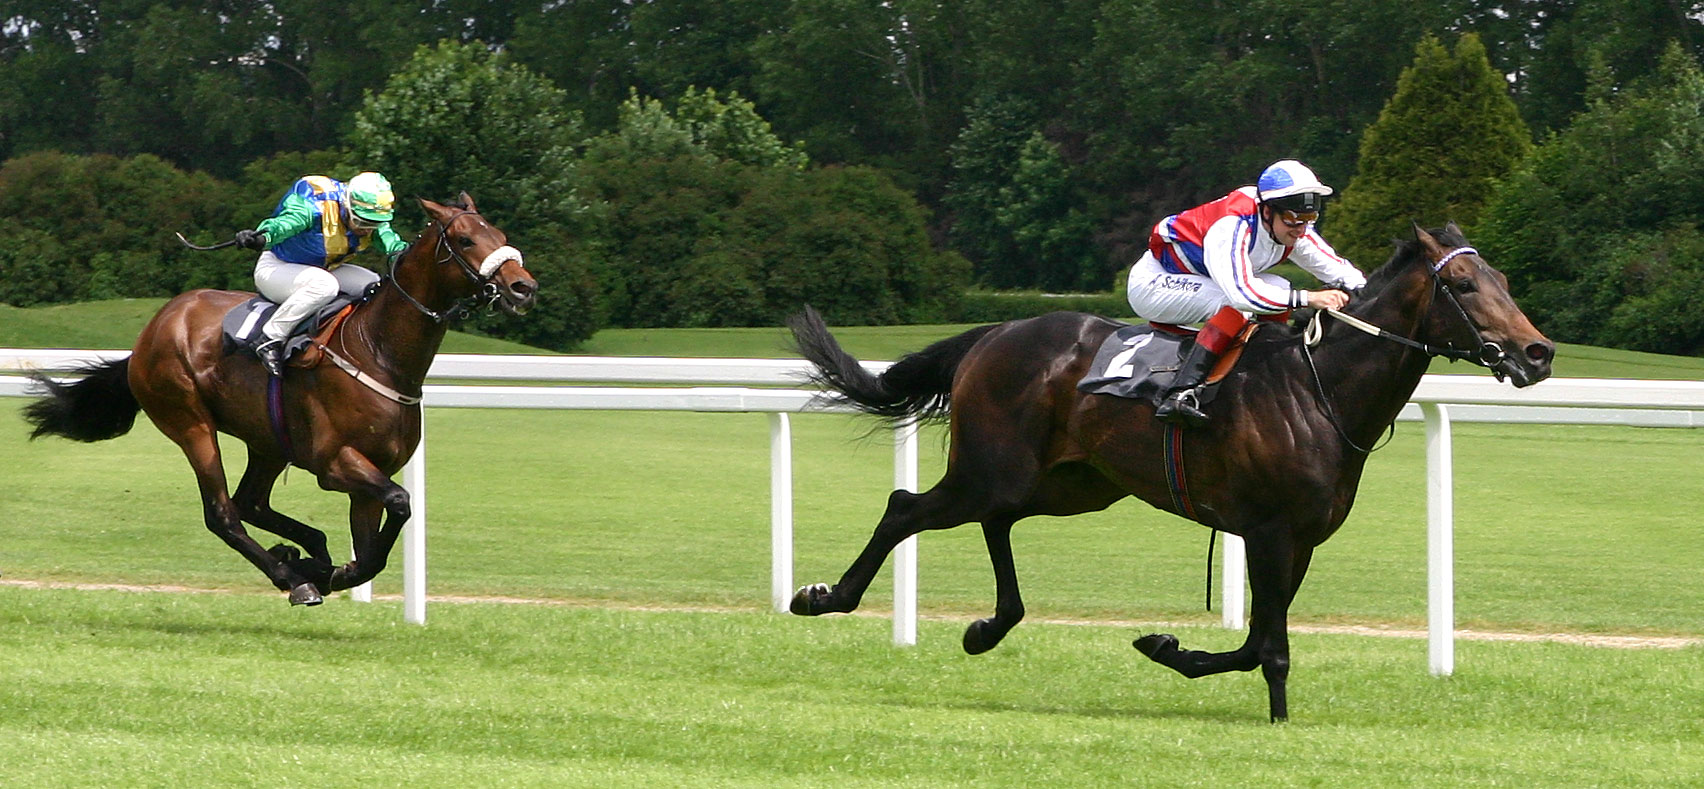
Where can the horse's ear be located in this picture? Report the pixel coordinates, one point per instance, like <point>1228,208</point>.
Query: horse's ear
<point>467,200</point>
<point>1433,248</point>
<point>1454,229</point>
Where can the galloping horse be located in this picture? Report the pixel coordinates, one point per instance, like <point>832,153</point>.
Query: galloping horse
<point>352,425</point>
<point>1278,464</point>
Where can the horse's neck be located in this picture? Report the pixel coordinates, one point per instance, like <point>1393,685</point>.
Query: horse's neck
<point>1368,379</point>
<point>400,338</point>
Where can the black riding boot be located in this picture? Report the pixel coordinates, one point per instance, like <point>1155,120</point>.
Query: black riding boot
<point>1182,404</point>
<point>271,355</point>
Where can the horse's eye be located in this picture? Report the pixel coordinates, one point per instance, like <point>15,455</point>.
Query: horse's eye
<point>465,242</point>
<point>1463,286</point>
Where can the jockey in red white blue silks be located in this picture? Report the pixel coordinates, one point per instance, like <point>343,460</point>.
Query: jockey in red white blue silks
<point>1206,266</point>
<point>318,225</point>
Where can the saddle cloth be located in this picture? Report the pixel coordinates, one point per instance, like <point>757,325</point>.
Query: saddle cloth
<point>1139,362</point>
<point>242,327</point>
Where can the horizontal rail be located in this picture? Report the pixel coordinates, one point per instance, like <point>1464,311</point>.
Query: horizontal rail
<point>1466,390</point>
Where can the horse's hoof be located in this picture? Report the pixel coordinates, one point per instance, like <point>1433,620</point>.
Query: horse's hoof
<point>305,594</point>
<point>1154,645</point>
<point>978,638</point>
<point>808,600</point>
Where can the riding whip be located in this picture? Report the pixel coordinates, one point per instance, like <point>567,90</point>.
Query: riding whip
<point>198,248</point>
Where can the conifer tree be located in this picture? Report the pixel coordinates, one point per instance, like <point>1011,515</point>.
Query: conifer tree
<point>1435,152</point>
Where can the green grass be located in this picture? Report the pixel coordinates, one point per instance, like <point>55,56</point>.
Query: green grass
<point>1575,529</point>
<point>232,690</point>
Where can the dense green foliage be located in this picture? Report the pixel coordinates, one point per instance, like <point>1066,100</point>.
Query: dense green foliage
<point>1042,138</point>
<point>1446,136</point>
<point>1600,230</point>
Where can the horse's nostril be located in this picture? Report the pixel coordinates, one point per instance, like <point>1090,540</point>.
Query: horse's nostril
<point>1540,351</point>
<point>521,289</point>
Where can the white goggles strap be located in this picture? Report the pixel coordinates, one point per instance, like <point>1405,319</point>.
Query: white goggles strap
<point>498,257</point>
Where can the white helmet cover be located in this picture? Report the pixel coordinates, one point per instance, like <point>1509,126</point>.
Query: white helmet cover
<point>1288,177</point>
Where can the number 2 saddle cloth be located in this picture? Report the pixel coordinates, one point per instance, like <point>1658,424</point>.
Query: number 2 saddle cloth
<point>1140,361</point>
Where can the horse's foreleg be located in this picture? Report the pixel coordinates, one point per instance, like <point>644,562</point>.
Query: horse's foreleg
<point>371,494</point>
<point>1275,570</point>
<point>985,634</point>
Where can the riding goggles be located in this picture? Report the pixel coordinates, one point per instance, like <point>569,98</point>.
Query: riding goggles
<point>1297,218</point>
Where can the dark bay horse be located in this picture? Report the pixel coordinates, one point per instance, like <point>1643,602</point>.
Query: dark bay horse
<point>351,434</point>
<point>1278,464</point>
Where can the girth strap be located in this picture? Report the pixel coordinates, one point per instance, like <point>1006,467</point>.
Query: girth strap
<point>1176,480</point>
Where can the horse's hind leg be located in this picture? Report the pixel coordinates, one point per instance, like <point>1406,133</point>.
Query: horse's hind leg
<point>985,634</point>
<point>941,507</point>
<point>254,501</point>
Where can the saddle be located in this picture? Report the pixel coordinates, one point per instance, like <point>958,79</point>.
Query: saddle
<point>1139,362</point>
<point>242,327</point>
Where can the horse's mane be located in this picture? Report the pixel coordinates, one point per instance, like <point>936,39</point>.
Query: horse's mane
<point>1407,251</point>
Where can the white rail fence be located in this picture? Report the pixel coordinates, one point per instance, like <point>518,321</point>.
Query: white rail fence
<point>1439,401</point>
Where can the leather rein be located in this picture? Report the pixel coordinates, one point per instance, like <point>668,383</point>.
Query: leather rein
<point>1487,355</point>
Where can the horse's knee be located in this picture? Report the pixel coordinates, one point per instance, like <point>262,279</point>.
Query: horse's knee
<point>1275,664</point>
<point>397,504</point>
<point>221,517</point>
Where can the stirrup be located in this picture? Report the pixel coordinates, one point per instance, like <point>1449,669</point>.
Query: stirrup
<point>1182,407</point>
<point>271,356</point>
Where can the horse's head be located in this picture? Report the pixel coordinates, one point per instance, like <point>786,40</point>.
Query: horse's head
<point>472,259</point>
<point>1471,308</point>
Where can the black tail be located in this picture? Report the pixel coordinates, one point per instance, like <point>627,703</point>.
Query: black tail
<point>918,386</point>
<point>96,407</point>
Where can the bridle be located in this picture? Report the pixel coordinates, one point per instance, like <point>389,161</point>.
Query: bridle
<point>1487,354</point>
<point>485,289</point>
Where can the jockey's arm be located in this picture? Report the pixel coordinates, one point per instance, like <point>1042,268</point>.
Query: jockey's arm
<point>294,216</point>
<point>1225,254</point>
<point>387,241</point>
<point>1316,257</point>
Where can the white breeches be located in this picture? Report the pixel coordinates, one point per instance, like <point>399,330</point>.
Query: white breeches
<point>1182,299</point>
<point>301,290</point>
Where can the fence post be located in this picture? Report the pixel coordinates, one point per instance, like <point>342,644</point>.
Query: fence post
<point>905,555</point>
<point>414,533</point>
<point>1235,573</point>
<point>1440,541</point>
<point>780,510</point>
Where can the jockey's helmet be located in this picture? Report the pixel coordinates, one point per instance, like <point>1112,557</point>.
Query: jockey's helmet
<point>1289,185</point>
<point>370,198</point>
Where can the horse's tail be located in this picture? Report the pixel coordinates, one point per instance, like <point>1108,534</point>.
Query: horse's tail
<point>96,407</point>
<point>918,386</point>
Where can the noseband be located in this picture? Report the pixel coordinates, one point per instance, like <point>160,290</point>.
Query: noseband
<point>485,290</point>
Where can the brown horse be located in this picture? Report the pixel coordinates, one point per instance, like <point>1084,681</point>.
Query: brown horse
<point>352,432</point>
<point>1278,464</point>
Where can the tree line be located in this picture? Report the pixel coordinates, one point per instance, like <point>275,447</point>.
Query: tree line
<point>699,163</point>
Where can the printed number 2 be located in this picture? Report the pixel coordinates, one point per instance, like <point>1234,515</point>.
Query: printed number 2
<point>1120,366</point>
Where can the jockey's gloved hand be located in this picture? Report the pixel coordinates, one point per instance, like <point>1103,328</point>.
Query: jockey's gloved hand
<point>251,239</point>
